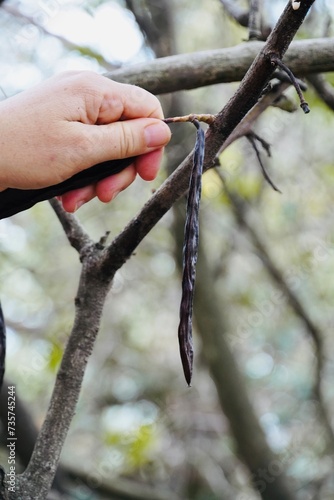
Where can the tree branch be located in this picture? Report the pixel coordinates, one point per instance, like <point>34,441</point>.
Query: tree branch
<point>74,231</point>
<point>36,481</point>
<point>198,69</point>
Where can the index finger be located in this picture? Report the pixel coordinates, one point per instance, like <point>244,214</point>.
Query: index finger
<point>125,102</point>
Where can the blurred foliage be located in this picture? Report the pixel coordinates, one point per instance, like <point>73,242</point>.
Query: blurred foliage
<point>135,416</point>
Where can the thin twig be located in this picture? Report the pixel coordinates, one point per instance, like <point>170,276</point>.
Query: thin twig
<point>284,67</point>
<point>74,231</point>
<point>283,77</point>
<point>246,125</point>
<point>225,130</point>
<point>252,138</point>
<point>266,146</point>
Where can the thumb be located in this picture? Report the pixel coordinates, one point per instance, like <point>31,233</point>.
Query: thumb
<point>123,139</point>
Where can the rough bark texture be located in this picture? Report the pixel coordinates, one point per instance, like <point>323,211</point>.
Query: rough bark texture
<point>36,481</point>
<point>189,71</point>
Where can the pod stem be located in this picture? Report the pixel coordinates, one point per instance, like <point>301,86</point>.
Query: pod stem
<point>193,117</point>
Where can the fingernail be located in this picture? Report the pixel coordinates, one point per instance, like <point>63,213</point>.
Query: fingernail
<point>114,195</point>
<point>157,134</point>
<point>78,205</point>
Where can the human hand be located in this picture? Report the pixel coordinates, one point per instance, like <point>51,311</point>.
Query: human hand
<point>73,121</point>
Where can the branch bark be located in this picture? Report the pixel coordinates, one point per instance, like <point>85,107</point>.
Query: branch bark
<point>36,481</point>
<point>198,69</point>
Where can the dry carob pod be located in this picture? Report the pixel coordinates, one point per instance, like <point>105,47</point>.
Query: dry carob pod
<point>190,245</point>
<point>190,252</point>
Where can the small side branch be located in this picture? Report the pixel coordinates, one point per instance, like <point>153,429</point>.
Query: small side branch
<point>283,77</point>
<point>277,61</point>
<point>75,233</point>
<point>252,138</point>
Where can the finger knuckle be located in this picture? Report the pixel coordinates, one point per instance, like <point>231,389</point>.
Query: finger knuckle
<point>127,140</point>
